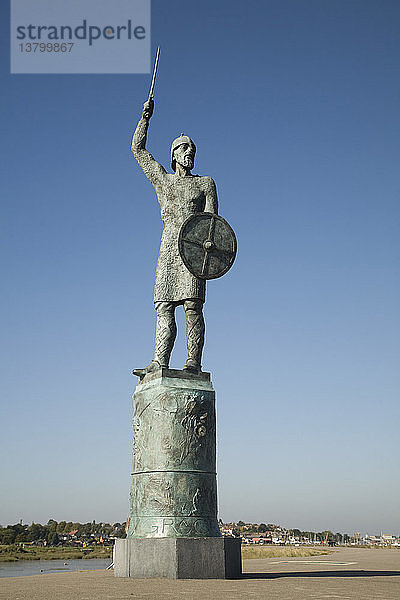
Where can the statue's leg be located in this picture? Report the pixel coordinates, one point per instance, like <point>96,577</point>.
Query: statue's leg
<point>165,332</point>
<point>195,329</point>
<point>165,338</point>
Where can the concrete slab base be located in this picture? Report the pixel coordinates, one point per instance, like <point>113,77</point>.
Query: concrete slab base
<point>178,558</point>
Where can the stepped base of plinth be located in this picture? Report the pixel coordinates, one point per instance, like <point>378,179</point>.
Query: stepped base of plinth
<point>178,558</point>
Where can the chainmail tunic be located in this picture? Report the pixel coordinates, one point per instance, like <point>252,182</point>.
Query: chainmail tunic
<point>179,198</point>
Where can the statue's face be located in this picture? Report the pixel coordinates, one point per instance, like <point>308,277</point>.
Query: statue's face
<point>184,155</point>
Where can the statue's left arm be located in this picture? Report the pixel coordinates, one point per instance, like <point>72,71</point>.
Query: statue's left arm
<point>211,196</point>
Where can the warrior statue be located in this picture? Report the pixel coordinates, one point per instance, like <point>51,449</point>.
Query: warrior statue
<point>173,526</point>
<point>180,195</point>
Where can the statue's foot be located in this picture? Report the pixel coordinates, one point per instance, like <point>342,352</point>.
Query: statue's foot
<point>151,368</point>
<point>192,366</point>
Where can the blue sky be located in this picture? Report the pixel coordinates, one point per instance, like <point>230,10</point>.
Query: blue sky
<point>294,110</point>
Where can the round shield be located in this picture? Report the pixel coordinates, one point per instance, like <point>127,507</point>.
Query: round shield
<point>207,245</point>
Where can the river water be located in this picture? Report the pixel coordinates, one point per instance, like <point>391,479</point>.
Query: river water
<point>39,567</point>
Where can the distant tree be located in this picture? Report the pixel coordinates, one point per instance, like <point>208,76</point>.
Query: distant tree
<point>61,526</point>
<point>36,532</point>
<point>88,528</point>
<point>68,527</point>
<point>108,529</point>
<point>296,533</point>
<point>52,525</point>
<point>21,532</point>
<point>120,532</point>
<point>7,535</point>
<point>262,528</point>
<point>53,538</point>
<point>327,536</point>
<point>241,523</point>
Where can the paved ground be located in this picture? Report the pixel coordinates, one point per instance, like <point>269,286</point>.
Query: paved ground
<point>347,574</point>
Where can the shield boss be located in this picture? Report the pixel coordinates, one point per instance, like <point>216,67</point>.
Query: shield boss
<point>207,245</point>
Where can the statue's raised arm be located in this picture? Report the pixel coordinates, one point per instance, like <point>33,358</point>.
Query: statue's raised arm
<point>151,168</point>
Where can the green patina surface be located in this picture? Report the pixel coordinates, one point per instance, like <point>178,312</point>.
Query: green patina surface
<point>174,489</point>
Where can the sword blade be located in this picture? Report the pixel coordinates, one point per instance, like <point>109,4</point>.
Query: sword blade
<point>154,73</point>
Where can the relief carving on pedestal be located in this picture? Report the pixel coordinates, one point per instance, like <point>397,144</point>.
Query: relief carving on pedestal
<point>195,425</point>
<point>175,429</point>
<point>159,495</point>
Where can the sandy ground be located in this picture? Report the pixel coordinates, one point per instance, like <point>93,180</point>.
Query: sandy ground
<point>346,574</point>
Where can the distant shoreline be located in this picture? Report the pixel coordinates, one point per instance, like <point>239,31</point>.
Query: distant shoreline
<point>16,554</point>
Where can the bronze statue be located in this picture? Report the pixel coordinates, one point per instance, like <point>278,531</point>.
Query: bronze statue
<point>180,195</point>
<point>192,249</point>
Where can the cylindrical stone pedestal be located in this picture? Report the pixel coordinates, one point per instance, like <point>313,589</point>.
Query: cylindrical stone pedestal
<point>174,488</point>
